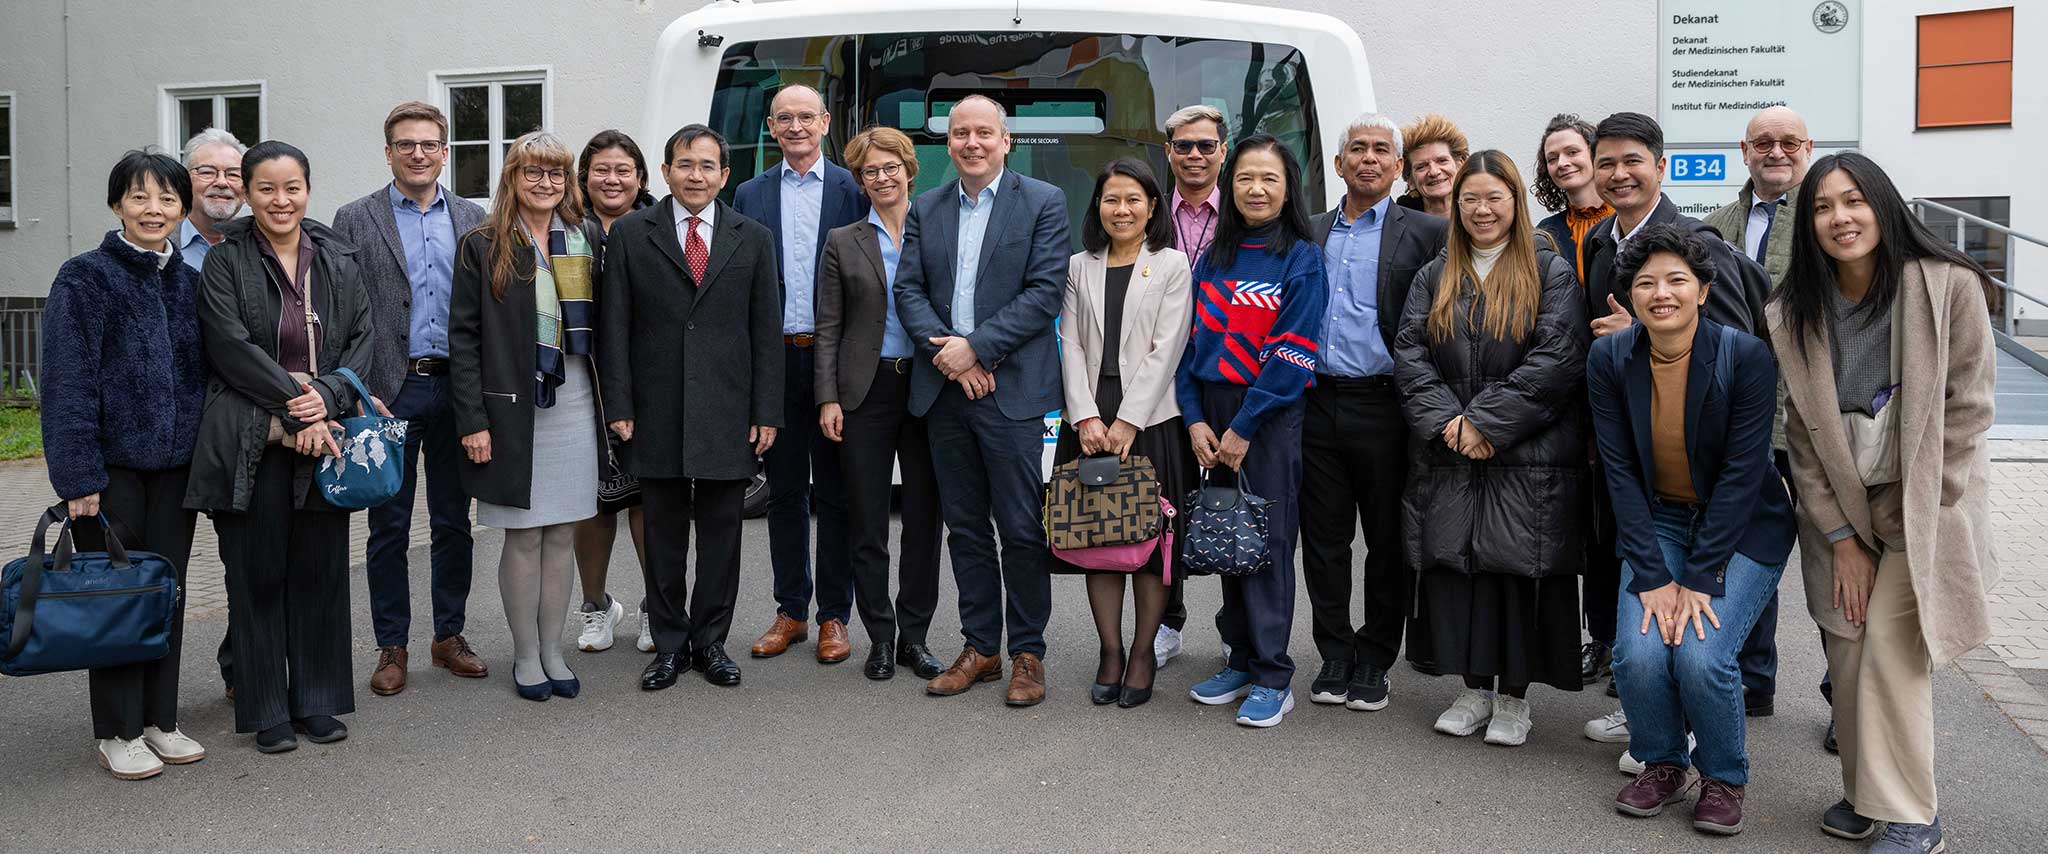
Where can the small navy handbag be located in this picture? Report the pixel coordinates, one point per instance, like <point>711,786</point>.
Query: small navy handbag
<point>1226,532</point>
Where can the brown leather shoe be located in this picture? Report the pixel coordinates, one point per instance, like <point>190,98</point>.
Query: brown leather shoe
<point>453,652</point>
<point>833,647</point>
<point>1027,680</point>
<point>969,668</point>
<point>389,678</point>
<point>779,636</point>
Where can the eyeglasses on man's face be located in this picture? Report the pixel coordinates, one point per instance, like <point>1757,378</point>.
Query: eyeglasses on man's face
<point>210,173</point>
<point>787,120</point>
<point>429,147</point>
<point>1788,144</point>
<point>537,174</point>
<point>1206,146</point>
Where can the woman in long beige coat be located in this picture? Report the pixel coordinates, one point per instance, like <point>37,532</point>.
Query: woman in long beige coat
<point>1884,342</point>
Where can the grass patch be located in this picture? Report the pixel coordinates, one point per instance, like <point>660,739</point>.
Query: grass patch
<point>21,433</point>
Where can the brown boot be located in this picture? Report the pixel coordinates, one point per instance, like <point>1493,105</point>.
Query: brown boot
<point>389,677</point>
<point>969,668</point>
<point>779,636</point>
<point>1027,680</point>
<point>833,647</point>
<point>453,652</point>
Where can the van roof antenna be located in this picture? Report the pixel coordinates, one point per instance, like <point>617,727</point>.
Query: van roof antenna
<point>1017,13</point>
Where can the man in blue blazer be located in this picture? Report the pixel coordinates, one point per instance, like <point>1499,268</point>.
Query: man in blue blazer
<point>802,199</point>
<point>979,286</point>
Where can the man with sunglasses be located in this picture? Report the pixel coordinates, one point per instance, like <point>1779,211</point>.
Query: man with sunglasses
<point>802,199</point>
<point>405,234</point>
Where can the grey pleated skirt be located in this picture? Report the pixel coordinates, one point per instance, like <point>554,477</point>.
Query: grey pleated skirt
<point>564,459</point>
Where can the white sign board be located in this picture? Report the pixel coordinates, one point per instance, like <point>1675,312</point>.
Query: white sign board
<point>1720,61</point>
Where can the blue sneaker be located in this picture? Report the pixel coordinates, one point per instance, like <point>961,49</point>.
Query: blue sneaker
<point>1901,838</point>
<point>1225,686</point>
<point>1266,706</point>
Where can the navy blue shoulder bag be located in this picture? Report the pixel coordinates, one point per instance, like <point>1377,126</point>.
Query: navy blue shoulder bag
<point>77,611</point>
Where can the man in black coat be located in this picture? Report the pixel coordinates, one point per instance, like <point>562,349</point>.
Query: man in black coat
<point>690,311</point>
<point>1372,249</point>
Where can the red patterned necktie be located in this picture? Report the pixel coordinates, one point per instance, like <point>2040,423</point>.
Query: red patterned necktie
<point>695,253</point>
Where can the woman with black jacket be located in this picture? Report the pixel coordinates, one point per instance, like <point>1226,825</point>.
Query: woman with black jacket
<point>1490,358</point>
<point>282,307</point>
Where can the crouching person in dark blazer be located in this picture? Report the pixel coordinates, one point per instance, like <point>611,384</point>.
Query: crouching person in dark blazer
<point>282,308</point>
<point>690,310</point>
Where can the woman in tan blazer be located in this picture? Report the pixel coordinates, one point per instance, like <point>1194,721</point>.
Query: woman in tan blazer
<point>1123,324</point>
<point>1879,322</point>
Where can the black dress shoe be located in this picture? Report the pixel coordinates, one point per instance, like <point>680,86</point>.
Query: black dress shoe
<point>1103,695</point>
<point>718,668</point>
<point>920,660</point>
<point>1596,659</point>
<point>663,670</point>
<point>881,662</point>
<point>1129,697</point>
<point>1758,706</point>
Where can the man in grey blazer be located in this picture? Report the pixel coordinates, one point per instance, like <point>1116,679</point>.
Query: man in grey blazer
<point>405,235</point>
<point>979,286</point>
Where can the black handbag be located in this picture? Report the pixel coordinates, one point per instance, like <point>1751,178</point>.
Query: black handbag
<point>616,489</point>
<point>1226,531</point>
<point>78,611</point>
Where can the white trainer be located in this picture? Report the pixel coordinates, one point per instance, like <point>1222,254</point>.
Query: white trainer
<point>1467,714</point>
<point>129,760</point>
<point>1612,729</point>
<point>645,643</point>
<point>1628,764</point>
<point>1165,645</point>
<point>1510,724</point>
<point>173,747</point>
<point>599,625</point>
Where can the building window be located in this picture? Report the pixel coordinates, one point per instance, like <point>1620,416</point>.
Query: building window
<point>1965,70</point>
<point>6,158</point>
<point>234,107</point>
<point>487,110</point>
<point>1988,247</point>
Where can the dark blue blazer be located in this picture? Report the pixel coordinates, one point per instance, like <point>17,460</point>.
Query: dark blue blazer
<point>1743,503</point>
<point>760,199</point>
<point>1017,291</point>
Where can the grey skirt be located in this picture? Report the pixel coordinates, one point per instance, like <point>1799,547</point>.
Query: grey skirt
<point>565,458</point>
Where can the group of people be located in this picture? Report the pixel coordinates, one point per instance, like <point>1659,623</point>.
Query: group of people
<point>1619,412</point>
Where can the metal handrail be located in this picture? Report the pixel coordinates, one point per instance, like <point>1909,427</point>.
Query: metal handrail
<point>2000,227</point>
<point>1961,232</point>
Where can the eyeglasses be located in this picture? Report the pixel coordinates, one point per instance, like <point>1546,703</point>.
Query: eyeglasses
<point>1207,146</point>
<point>209,173</point>
<point>428,147</point>
<point>783,120</point>
<point>1472,203</point>
<point>1788,144</point>
<point>886,170</point>
<point>536,174</point>
<point>622,172</point>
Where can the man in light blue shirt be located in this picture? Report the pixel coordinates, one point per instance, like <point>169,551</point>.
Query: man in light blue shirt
<point>428,236</point>
<point>974,216</point>
<point>213,157</point>
<point>1352,346</point>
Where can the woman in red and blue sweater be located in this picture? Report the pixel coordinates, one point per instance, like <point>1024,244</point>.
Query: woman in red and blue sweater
<point>1259,302</point>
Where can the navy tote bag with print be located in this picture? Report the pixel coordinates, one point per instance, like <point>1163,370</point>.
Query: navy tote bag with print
<point>371,467</point>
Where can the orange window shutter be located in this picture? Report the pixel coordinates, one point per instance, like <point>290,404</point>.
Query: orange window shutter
<point>1965,68</point>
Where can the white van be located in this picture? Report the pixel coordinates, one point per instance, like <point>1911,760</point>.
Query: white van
<point>1084,81</point>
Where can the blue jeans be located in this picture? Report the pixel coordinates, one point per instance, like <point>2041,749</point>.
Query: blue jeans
<point>1697,683</point>
<point>992,472</point>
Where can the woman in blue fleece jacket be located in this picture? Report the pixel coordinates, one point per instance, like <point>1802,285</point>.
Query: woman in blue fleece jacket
<point>122,385</point>
<point>1259,301</point>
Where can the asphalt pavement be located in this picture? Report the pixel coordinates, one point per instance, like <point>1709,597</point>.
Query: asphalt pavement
<point>810,757</point>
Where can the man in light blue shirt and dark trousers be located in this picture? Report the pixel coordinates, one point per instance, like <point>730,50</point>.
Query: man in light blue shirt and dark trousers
<point>801,199</point>
<point>405,234</point>
<point>1354,440</point>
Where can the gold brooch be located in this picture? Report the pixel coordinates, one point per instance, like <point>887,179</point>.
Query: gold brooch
<point>1147,272</point>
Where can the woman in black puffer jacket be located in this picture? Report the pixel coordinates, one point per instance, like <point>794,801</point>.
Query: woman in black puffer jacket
<point>1491,361</point>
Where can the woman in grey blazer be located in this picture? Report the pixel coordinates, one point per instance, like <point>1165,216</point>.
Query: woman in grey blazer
<point>1123,325</point>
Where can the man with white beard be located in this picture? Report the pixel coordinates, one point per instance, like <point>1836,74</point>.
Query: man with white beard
<point>213,157</point>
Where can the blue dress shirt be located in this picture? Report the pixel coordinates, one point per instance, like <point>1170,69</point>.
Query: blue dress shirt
<point>974,216</point>
<point>803,203</point>
<point>1352,346</point>
<point>192,246</point>
<point>895,339</point>
<point>429,240</point>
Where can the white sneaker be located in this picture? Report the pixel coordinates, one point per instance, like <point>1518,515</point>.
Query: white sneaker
<point>1628,764</point>
<point>173,747</point>
<point>1467,714</point>
<point>645,643</point>
<point>1612,729</point>
<point>129,760</point>
<point>1510,725</point>
<point>599,625</point>
<point>1165,645</point>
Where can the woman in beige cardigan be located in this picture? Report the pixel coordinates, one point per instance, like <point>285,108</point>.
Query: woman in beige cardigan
<point>1884,342</point>
<point>1123,324</point>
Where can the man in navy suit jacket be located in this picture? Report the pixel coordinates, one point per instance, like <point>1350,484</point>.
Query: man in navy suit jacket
<point>979,286</point>
<point>802,199</point>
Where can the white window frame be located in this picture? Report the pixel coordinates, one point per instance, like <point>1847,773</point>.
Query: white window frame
<point>10,213</point>
<point>439,82</point>
<point>168,114</point>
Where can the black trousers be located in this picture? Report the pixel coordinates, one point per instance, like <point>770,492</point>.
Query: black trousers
<point>994,467</point>
<point>287,574</point>
<point>423,402</point>
<point>1354,468</point>
<point>879,432</point>
<point>682,624</point>
<point>147,509</point>
<point>1258,610</point>
<point>1600,588</point>
<point>800,457</point>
